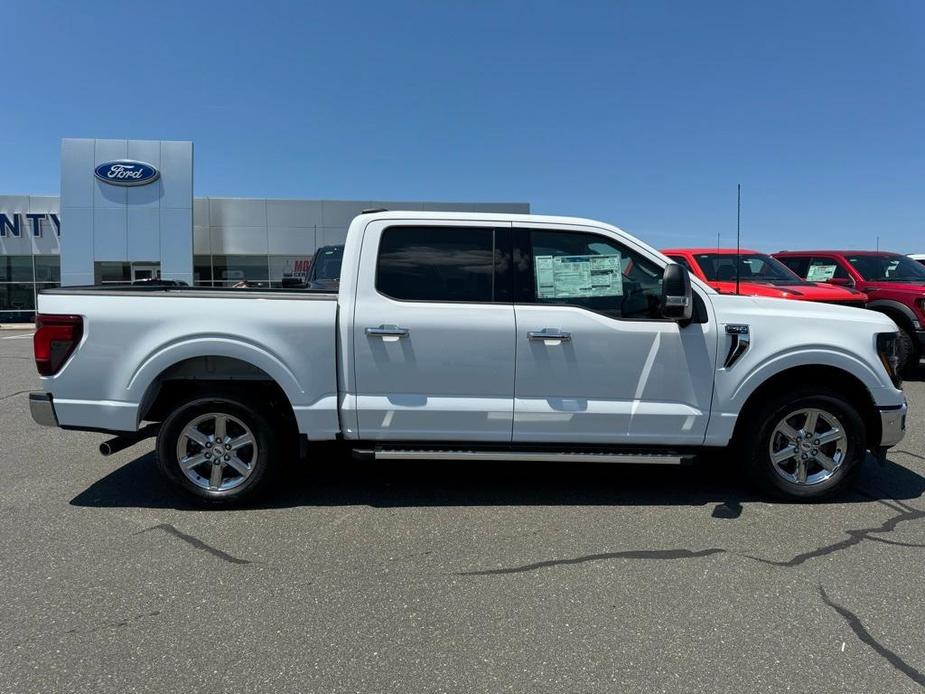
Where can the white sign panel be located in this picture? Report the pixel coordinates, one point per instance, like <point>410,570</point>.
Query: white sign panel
<point>570,276</point>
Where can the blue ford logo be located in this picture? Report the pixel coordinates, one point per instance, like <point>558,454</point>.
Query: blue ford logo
<point>126,172</point>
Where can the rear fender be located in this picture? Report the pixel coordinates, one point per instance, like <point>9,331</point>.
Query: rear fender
<point>145,376</point>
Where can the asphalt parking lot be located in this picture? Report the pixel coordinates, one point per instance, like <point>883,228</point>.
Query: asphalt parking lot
<point>450,577</point>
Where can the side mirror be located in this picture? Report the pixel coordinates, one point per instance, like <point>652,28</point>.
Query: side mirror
<point>840,281</point>
<point>677,296</point>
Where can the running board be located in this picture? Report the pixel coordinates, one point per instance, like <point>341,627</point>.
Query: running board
<point>634,458</point>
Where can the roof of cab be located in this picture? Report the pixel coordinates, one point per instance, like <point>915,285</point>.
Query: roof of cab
<point>832,252</point>
<point>487,217</point>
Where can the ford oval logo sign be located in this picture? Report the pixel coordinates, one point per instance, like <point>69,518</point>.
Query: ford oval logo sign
<point>126,172</point>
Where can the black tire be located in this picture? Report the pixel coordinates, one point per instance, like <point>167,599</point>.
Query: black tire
<point>762,422</point>
<point>908,353</point>
<point>262,456</point>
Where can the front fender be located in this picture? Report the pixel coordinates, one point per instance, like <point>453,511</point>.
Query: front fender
<point>734,388</point>
<point>741,390</point>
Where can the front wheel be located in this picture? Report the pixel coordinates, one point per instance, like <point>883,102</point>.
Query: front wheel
<point>217,448</point>
<point>806,444</point>
<point>908,353</point>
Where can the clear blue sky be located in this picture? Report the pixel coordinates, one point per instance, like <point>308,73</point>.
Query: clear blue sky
<point>645,113</point>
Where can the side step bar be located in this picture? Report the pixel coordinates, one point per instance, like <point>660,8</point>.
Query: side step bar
<point>635,458</point>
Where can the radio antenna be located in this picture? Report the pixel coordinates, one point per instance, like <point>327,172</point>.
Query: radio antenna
<point>738,230</point>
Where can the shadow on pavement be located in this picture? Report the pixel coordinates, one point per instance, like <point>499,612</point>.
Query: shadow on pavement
<point>342,481</point>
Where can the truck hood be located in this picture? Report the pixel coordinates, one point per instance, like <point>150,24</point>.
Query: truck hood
<point>800,292</point>
<point>776,314</point>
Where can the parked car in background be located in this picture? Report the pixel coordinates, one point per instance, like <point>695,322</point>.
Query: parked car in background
<point>894,283</point>
<point>759,275</point>
<point>158,282</point>
<point>325,270</point>
<point>463,336</point>
<point>290,282</point>
<point>919,257</point>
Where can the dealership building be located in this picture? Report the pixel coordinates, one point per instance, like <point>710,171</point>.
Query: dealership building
<point>126,212</point>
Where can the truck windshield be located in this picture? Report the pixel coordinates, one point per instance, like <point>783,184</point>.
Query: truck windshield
<point>887,267</point>
<point>753,267</point>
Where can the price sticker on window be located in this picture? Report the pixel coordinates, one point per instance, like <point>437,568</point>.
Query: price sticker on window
<point>820,273</point>
<point>572,276</point>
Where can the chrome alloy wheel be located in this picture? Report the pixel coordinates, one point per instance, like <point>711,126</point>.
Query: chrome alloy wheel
<point>216,451</point>
<point>808,446</point>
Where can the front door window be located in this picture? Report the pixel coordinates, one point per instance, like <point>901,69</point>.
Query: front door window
<point>588,270</point>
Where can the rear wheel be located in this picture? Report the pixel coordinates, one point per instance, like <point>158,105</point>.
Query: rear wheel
<point>218,448</point>
<point>805,445</point>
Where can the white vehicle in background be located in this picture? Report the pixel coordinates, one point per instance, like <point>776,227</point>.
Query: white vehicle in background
<point>459,336</point>
<point>920,257</point>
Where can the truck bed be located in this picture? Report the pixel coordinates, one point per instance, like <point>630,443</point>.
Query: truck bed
<point>135,337</point>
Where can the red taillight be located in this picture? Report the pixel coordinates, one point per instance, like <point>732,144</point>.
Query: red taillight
<point>56,337</point>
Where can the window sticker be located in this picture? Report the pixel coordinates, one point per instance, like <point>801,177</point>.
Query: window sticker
<point>571,276</point>
<point>820,273</point>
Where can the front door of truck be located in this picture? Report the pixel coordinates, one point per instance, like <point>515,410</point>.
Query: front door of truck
<point>596,363</point>
<point>433,332</point>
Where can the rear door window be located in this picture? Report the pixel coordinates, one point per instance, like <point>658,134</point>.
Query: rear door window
<point>444,264</point>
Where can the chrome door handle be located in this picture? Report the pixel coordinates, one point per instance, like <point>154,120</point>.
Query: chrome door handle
<point>387,331</point>
<point>549,334</point>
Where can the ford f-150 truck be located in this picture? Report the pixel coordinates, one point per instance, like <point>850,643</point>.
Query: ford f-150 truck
<point>894,284</point>
<point>459,336</point>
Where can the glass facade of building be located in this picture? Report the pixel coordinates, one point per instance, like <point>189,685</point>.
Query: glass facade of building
<point>21,276</point>
<point>260,270</point>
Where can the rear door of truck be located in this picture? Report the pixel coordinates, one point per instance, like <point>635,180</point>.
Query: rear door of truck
<point>434,331</point>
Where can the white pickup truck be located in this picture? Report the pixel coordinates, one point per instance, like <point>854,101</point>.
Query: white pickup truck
<point>459,336</point>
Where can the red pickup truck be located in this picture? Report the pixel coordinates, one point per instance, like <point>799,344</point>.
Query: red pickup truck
<point>894,283</point>
<point>759,275</point>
